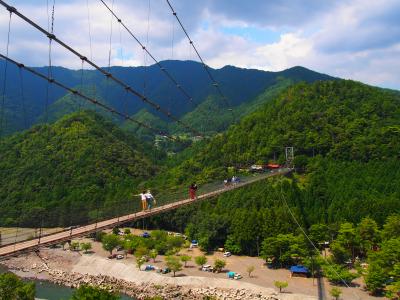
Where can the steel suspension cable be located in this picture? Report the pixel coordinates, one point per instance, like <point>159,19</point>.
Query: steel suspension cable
<point>104,72</point>
<point>214,82</point>
<point>282,196</point>
<point>3,99</point>
<point>85,97</point>
<point>157,62</point>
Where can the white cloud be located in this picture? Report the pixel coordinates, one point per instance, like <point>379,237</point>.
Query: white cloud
<point>350,39</point>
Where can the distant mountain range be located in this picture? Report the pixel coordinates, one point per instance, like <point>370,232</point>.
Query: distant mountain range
<point>30,100</point>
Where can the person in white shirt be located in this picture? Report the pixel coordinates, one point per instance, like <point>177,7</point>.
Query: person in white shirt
<point>151,201</point>
<point>144,200</point>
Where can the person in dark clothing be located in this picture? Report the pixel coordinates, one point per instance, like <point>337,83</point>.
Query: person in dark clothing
<point>192,191</point>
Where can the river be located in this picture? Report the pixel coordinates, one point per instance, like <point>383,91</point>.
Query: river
<point>50,291</point>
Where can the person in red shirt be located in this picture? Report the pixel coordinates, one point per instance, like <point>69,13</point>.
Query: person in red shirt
<point>192,191</point>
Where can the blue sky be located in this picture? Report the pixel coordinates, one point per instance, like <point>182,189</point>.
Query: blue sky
<point>356,39</point>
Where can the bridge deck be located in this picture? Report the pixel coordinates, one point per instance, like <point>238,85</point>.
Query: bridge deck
<point>87,229</point>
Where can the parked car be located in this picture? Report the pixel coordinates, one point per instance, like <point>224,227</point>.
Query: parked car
<point>149,268</point>
<point>227,254</point>
<point>233,275</point>
<point>206,268</point>
<point>145,234</point>
<point>119,256</point>
<point>194,244</point>
<point>165,270</point>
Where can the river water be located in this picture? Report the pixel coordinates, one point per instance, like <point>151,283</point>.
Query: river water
<point>50,291</point>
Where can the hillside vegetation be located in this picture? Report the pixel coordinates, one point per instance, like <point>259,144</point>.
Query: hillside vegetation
<point>30,100</point>
<point>66,169</point>
<point>346,137</point>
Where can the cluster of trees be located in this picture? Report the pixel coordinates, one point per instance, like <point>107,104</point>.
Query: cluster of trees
<point>13,288</point>
<point>342,119</point>
<point>60,174</point>
<point>158,243</point>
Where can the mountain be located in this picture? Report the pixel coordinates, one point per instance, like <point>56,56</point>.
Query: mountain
<point>67,169</point>
<point>346,137</point>
<point>42,101</point>
<point>339,119</point>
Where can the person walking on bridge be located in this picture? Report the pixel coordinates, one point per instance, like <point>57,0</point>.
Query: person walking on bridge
<point>151,201</point>
<point>192,191</point>
<point>144,200</point>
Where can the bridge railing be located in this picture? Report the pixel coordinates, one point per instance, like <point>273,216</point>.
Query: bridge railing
<point>95,212</point>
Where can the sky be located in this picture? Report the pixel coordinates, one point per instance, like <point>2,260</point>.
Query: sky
<point>352,39</point>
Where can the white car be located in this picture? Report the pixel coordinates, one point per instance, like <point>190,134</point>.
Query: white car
<point>237,276</point>
<point>119,256</point>
<point>227,254</point>
<point>206,268</point>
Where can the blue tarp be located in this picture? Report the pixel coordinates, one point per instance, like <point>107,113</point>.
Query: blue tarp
<point>231,274</point>
<point>299,269</point>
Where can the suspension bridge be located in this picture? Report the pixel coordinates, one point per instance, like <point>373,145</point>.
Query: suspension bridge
<point>40,236</point>
<point>79,231</point>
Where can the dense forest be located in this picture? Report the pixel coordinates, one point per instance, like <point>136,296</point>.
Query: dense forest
<point>65,170</point>
<point>345,190</point>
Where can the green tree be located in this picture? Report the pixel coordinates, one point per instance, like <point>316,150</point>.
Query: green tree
<point>110,242</point>
<point>281,285</point>
<point>375,278</point>
<point>335,292</point>
<point>86,247</point>
<point>347,238</point>
<point>127,231</point>
<point>141,252</point>
<point>368,232</point>
<point>391,228</point>
<point>139,262</point>
<point>86,292</point>
<point>153,254</point>
<point>219,264</point>
<point>200,260</point>
<point>250,269</point>
<point>393,290</point>
<point>337,274</point>
<point>174,264</point>
<point>339,252</point>
<point>74,246</point>
<point>319,233</point>
<point>185,259</point>
<point>13,288</point>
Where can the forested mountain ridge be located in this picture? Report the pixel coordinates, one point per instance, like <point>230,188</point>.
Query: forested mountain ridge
<point>340,119</point>
<point>30,100</point>
<point>346,190</point>
<point>68,167</point>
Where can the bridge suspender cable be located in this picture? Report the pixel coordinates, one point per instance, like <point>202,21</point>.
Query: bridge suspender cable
<point>214,82</point>
<point>107,74</point>
<point>3,99</point>
<point>282,196</point>
<point>77,93</point>
<point>144,47</point>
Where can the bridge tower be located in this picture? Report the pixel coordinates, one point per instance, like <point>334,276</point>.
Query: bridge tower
<point>289,155</point>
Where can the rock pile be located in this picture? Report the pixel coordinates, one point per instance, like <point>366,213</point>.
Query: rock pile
<point>143,291</point>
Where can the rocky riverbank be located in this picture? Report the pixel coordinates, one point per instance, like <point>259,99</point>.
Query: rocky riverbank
<point>138,291</point>
<point>72,269</point>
